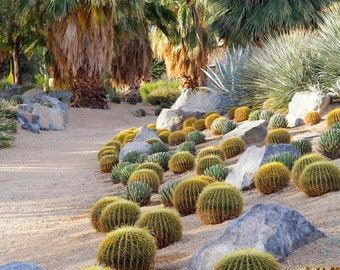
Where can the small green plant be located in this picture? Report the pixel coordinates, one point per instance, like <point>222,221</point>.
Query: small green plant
<point>107,162</point>
<point>304,146</point>
<point>271,177</point>
<point>320,178</point>
<point>152,166</point>
<point>336,125</point>
<point>166,192</point>
<point>188,146</point>
<point>114,94</point>
<point>254,115</point>
<point>139,193</point>
<point>219,172</point>
<point>6,140</point>
<point>232,147</point>
<point>218,203</point>
<point>329,143</point>
<point>139,113</point>
<point>177,137</point>
<point>164,224</point>
<point>222,125</point>
<point>189,122</point>
<point>200,125</point>
<point>121,172</point>
<point>207,162</point>
<point>158,92</point>
<point>248,259</point>
<point>164,136</point>
<point>333,117</point>
<point>197,137</point>
<point>134,157</point>
<point>128,248</point>
<point>181,162</point>
<point>160,158</point>
<point>158,147</point>
<point>241,114</point>
<point>146,176</point>
<point>286,158</point>
<point>266,114</point>
<point>277,121</point>
<point>312,118</point>
<point>209,119</point>
<point>210,150</point>
<point>277,136</point>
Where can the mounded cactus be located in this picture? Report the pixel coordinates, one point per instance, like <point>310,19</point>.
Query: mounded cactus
<point>164,136</point>
<point>118,214</point>
<point>158,147</point>
<point>302,163</point>
<point>207,162</point>
<point>164,224</point>
<point>177,137</point>
<point>210,119</point>
<point>161,130</point>
<point>320,178</point>
<point>304,146</point>
<point>107,162</point>
<point>248,259</point>
<point>98,208</point>
<point>271,177</point>
<point>139,193</point>
<point>266,114</point>
<point>134,157</point>
<point>197,137</point>
<point>277,121</point>
<point>188,146</point>
<point>152,166</point>
<point>153,140</point>
<point>329,143</point>
<point>219,172</point>
<point>200,125</point>
<point>166,192</point>
<point>210,113</point>
<point>146,176</point>
<point>211,150</point>
<point>231,112</point>
<point>181,162</point>
<point>128,248</point>
<point>218,203</point>
<point>333,117</point>
<point>312,118</point>
<point>122,171</point>
<point>189,122</point>
<point>277,136</point>
<point>129,138</point>
<point>254,115</point>
<point>106,150</point>
<point>232,147</point>
<point>160,158</point>
<point>186,194</point>
<point>151,126</point>
<point>222,125</point>
<point>115,144</point>
<point>241,114</point>
<point>188,130</point>
<point>286,158</point>
<point>203,177</point>
<point>96,267</point>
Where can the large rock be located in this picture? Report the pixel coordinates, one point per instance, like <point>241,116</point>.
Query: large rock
<point>49,118</point>
<point>252,132</point>
<point>20,266</point>
<point>201,101</point>
<point>145,134</point>
<point>242,175</point>
<point>304,102</point>
<point>272,228</point>
<point>35,95</point>
<point>63,96</point>
<point>172,119</point>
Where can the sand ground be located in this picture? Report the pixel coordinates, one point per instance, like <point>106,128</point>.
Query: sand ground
<point>48,183</point>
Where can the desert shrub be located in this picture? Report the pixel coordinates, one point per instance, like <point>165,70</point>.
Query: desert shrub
<point>164,224</point>
<point>266,114</point>
<point>207,162</point>
<point>241,114</point>
<point>197,137</point>
<point>158,69</point>
<point>333,117</point>
<point>158,147</point>
<point>160,158</point>
<point>200,125</point>
<point>277,121</point>
<point>312,118</point>
<point>166,191</point>
<point>134,157</point>
<point>188,146</point>
<point>210,119</point>
<point>121,172</point>
<point>222,125</point>
<point>329,143</point>
<point>181,162</point>
<point>177,137</point>
<point>232,147</point>
<point>164,136</point>
<point>286,158</point>
<point>161,91</point>
<point>139,193</point>
<point>254,115</point>
<point>189,122</point>
<point>271,177</point>
<point>107,162</point>
<point>219,172</point>
<point>218,203</point>
<point>146,176</point>
<point>304,146</point>
<point>128,248</point>
<point>114,94</point>
<point>277,136</point>
<point>152,166</point>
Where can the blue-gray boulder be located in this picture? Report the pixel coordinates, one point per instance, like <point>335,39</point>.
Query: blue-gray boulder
<point>20,266</point>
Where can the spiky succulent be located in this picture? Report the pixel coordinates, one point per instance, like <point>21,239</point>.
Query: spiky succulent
<point>241,114</point>
<point>122,171</point>
<point>177,137</point>
<point>211,150</point>
<point>222,125</point>
<point>161,158</point>
<point>189,122</point>
<point>329,143</point>
<point>207,162</point>
<point>232,147</point>
<point>277,121</point>
<point>6,140</point>
<point>139,193</point>
<point>107,150</point>
<point>188,146</point>
<point>164,136</point>
<point>219,172</point>
<point>333,117</point>
<point>286,158</point>
<point>210,119</point>
<point>200,125</point>
<point>158,147</point>
<point>107,162</point>
<point>8,125</point>
<point>266,114</point>
<point>254,115</point>
<point>152,166</point>
<point>304,146</point>
<point>166,191</point>
<point>197,137</point>
<point>278,136</point>
<point>115,144</point>
<point>336,125</point>
<point>134,157</point>
<point>312,118</point>
<point>146,176</point>
<point>181,162</point>
<point>153,140</point>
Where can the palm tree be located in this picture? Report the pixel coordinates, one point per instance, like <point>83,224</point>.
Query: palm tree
<point>244,21</point>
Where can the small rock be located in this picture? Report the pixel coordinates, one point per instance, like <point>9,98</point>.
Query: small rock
<point>63,96</point>
<point>139,113</point>
<point>272,228</point>
<point>20,266</point>
<point>172,119</point>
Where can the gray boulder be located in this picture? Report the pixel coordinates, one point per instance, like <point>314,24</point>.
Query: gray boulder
<point>242,175</point>
<point>272,228</point>
<point>25,124</point>
<point>20,266</point>
<point>11,91</point>
<point>173,119</point>
<point>145,134</point>
<point>49,118</point>
<point>35,95</point>
<point>304,102</point>
<point>252,132</point>
<point>63,96</point>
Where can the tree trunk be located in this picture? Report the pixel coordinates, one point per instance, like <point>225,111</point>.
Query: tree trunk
<point>88,92</point>
<point>16,62</point>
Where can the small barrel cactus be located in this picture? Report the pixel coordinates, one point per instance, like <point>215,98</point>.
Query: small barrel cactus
<point>222,125</point>
<point>186,194</point>
<point>106,150</point>
<point>271,177</point>
<point>188,146</point>
<point>146,176</point>
<point>115,144</point>
<point>158,147</point>
<point>164,136</point>
<point>153,140</point>
<point>219,172</point>
<point>277,121</point>
<point>122,171</point>
<point>266,114</point>
<point>333,117</point>
<point>206,162</point>
<point>210,119</point>
<point>302,163</point>
<point>248,259</point>
<point>128,248</point>
<point>210,113</point>
<point>119,214</point>
<point>203,177</point>
<point>189,122</point>
<point>277,136</point>
<point>211,150</point>
<point>177,137</point>
<point>329,143</point>
<point>139,193</point>
<point>160,158</point>
<point>320,178</point>
<point>304,146</point>
<point>218,203</point>
<point>134,157</point>
<point>98,208</point>
<point>164,224</point>
<point>166,192</point>
<point>241,114</point>
<point>200,125</point>
<point>197,137</point>
<point>151,126</point>
<point>181,162</point>
<point>286,158</point>
<point>107,162</point>
<point>152,166</point>
<point>129,138</point>
<point>231,112</point>
<point>312,118</point>
<point>232,147</point>
<point>95,267</point>
<point>188,130</point>
<point>254,115</point>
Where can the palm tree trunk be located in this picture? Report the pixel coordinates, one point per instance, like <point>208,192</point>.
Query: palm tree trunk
<point>16,62</point>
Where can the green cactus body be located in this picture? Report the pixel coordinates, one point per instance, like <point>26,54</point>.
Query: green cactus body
<point>107,162</point>
<point>129,138</point>
<point>248,259</point>
<point>186,194</point>
<point>207,162</point>
<point>329,143</point>
<point>202,177</point>
<point>134,157</point>
<point>266,114</point>
<point>96,267</point>
<point>277,121</point>
<point>106,149</point>
<point>122,171</point>
<point>164,224</point>
<point>146,176</point>
<point>153,140</point>
<point>320,178</point>
<point>271,177</point>
<point>98,208</point>
<point>219,172</point>
<point>181,162</point>
<point>197,137</point>
<point>128,248</point>
<point>160,158</point>
<point>107,152</point>
<point>115,144</point>
<point>188,146</point>
<point>302,163</point>
<point>241,114</point>
<point>304,146</point>
<point>187,130</point>
<point>118,214</point>
<point>139,193</point>
<point>254,115</point>
<point>312,118</point>
<point>333,117</point>
<point>200,125</point>
<point>218,203</point>
<point>189,122</point>
<point>211,150</point>
<point>210,119</point>
<point>164,136</point>
<point>277,136</point>
<point>222,125</point>
<point>166,192</point>
<point>177,137</point>
<point>286,158</point>
<point>232,147</point>
<point>336,125</point>
<point>152,166</point>
<point>210,113</point>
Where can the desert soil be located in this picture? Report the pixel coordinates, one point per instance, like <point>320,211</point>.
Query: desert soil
<point>49,182</point>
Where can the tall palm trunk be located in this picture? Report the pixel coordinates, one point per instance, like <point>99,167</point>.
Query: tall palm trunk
<point>16,61</point>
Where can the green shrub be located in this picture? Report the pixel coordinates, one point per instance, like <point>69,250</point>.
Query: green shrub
<point>219,172</point>
<point>286,158</point>
<point>181,162</point>
<point>158,147</point>
<point>197,137</point>
<point>121,172</point>
<point>207,162</point>
<point>161,91</point>
<point>188,146</point>
<point>158,69</point>
<point>164,224</point>
<point>166,192</point>
<point>241,114</point>
<point>114,94</point>
<point>277,121</point>
<point>218,203</point>
<point>278,136</point>
<point>271,177</point>
<point>107,162</point>
<point>320,178</point>
<point>232,147</point>
<point>152,166</point>
<point>222,125</point>
<point>329,143</point>
<point>254,115</point>
<point>177,137</point>
<point>128,248</point>
<point>312,118</point>
<point>139,193</point>
<point>6,140</point>
<point>200,125</point>
<point>134,157</point>
<point>304,146</point>
<point>266,114</point>
<point>333,117</point>
<point>160,158</point>
<point>210,150</point>
<point>146,176</point>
